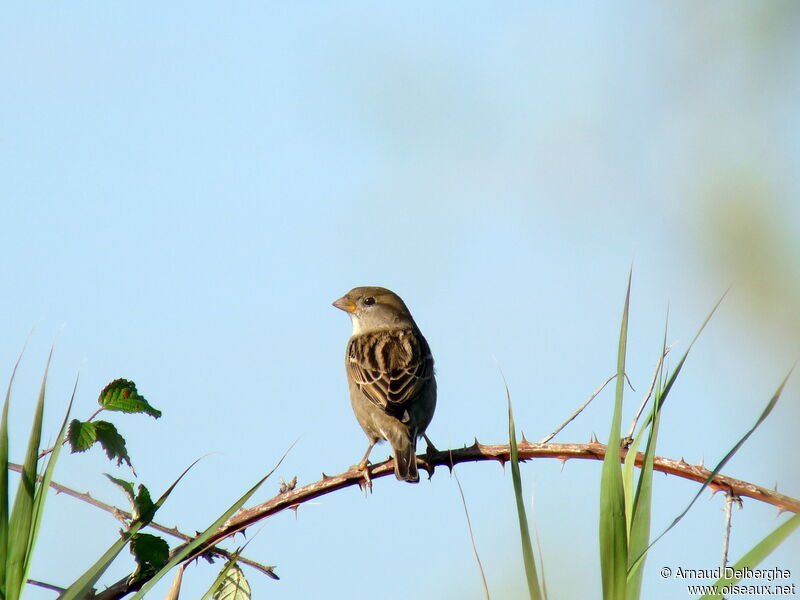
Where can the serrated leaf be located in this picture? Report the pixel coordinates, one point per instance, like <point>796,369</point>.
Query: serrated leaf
<point>125,486</point>
<point>150,552</point>
<point>143,507</point>
<point>81,435</point>
<point>121,395</point>
<point>112,442</point>
<point>234,586</point>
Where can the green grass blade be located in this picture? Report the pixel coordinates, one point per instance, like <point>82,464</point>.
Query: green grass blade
<point>85,582</point>
<point>758,553</point>
<point>613,529</point>
<point>715,471</point>
<point>527,548</point>
<point>4,484</point>
<point>201,539</point>
<point>21,521</point>
<point>43,486</point>
<point>221,577</point>
<point>674,375</point>
<point>628,483</point>
<point>472,538</point>
<point>641,510</point>
<point>641,507</point>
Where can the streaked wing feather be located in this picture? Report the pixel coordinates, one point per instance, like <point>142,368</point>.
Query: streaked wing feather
<point>390,367</point>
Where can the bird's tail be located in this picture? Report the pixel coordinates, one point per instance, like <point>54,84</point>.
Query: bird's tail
<point>405,456</point>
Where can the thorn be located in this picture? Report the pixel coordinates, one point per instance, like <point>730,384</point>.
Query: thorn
<point>683,462</point>
<point>476,445</point>
<point>593,439</point>
<point>324,477</point>
<point>775,487</point>
<point>523,437</point>
<point>702,464</point>
<point>563,462</point>
<point>781,510</point>
<point>294,508</point>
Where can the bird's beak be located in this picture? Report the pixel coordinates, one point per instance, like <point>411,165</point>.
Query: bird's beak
<point>345,304</point>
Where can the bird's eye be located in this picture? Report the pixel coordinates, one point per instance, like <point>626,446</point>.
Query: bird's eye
<point>369,301</point>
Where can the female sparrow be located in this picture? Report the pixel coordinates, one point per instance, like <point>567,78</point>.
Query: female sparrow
<point>390,374</point>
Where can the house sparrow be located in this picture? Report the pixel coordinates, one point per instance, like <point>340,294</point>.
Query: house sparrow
<point>390,374</point>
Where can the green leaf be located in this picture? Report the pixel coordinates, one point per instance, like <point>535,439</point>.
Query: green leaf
<point>150,552</point>
<point>125,486</point>
<point>640,552</point>
<point>121,395</point>
<point>613,528</point>
<point>715,471</point>
<point>84,584</point>
<point>43,486</point>
<point>757,554</point>
<point>233,586</point>
<point>639,511</point>
<point>4,485</point>
<point>180,554</point>
<point>21,524</point>
<point>81,435</point>
<point>142,507</point>
<point>531,575</point>
<point>112,442</point>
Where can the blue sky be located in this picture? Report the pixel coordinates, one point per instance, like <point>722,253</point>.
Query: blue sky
<point>185,189</point>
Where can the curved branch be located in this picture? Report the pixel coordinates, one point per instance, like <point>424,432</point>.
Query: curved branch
<point>479,452</point>
<point>293,498</point>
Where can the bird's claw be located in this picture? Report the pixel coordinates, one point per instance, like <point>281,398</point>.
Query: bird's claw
<point>366,484</point>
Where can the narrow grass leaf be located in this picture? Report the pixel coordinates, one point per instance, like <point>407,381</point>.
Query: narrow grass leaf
<point>180,554</point>
<point>628,483</point>
<point>527,548</point>
<point>21,521</point>
<point>43,487</point>
<point>757,554</point>
<point>639,523</point>
<point>472,538</point>
<point>4,484</point>
<point>85,582</point>
<point>715,471</point>
<point>175,589</point>
<point>613,528</point>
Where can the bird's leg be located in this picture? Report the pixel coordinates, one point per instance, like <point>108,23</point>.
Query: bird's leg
<point>429,452</point>
<point>362,465</point>
<point>431,448</point>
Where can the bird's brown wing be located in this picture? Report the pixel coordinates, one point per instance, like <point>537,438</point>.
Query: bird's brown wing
<point>390,367</point>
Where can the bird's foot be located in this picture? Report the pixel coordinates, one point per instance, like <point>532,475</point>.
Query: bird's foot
<point>366,484</point>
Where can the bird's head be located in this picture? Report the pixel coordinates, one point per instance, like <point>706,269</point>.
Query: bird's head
<point>373,308</point>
